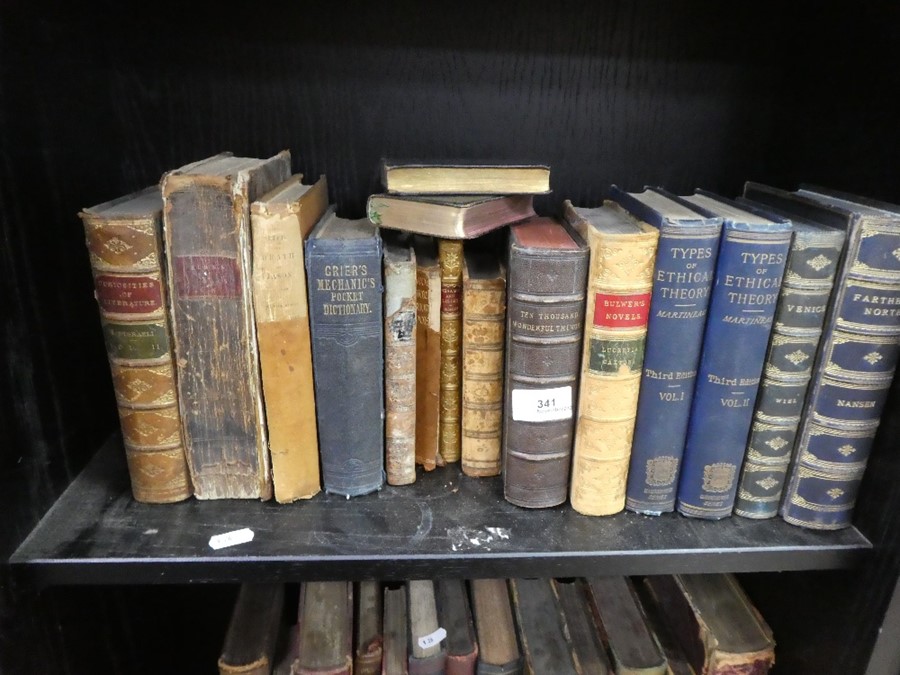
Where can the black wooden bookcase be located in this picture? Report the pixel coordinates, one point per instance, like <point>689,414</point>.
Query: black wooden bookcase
<point>99,98</point>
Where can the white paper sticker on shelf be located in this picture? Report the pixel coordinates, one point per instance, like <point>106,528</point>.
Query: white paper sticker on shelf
<point>232,538</point>
<point>542,405</point>
<point>432,639</point>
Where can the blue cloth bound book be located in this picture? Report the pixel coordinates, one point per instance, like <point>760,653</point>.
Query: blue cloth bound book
<point>682,281</point>
<point>343,271</point>
<point>856,361</point>
<point>752,256</point>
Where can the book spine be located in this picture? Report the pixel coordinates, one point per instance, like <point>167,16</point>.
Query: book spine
<point>348,357</point>
<point>484,318</point>
<point>281,309</point>
<point>618,308</point>
<point>450,253</point>
<point>400,370</point>
<point>682,284</point>
<point>850,382</point>
<point>797,329</point>
<point>545,320</point>
<point>126,261</point>
<point>428,363</point>
<point>748,278</point>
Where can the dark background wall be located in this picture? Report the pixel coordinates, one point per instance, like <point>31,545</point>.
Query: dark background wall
<point>100,98</point>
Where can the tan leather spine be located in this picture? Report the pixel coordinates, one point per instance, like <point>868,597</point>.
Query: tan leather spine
<point>450,253</point>
<point>428,360</point>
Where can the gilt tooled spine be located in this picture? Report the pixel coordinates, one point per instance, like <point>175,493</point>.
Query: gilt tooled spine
<point>400,369</point>
<point>126,258</point>
<point>545,320</point>
<point>450,253</point>
<point>428,359</point>
<point>484,318</point>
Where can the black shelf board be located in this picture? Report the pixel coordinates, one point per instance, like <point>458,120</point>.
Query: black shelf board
<point>444,525</point>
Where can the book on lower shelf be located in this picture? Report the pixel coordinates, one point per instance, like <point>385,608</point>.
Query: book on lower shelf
<point>545,648</point>
<point>623,250</point>
<point>548,263</point>
<point>498,643</point>
<point>124,242</point>
<point>580,628</point>
<point>368,599</point>
<point>396,628</point>
<point>325,629</point>
<point>427,655</point>
<point>253,630</point>
<point>455,615</point>
<point>404,177</point>
<point>206,219</point>
<point>343,262</point>
<point>280,222</point>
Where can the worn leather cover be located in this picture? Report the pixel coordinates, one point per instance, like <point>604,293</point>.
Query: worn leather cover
<point>580,629</point>
<point>343,264</point>
<point>428,352</point>
<point>124,242</point>
<point>206,218</point>
<point>544,646</point>
<point>325,625</point>
<point>450,254</point>
<point>752,257</point>
<point>253,631</point>
<point>399,362</point>
<point>498,644</point>
<point>455,615</point>
<point>623,250</point>
<point>280,222</point>
<point>548,265</point>
<point>396,640</point>
<point>682,281</point>
<point>483,343</point>
<point>426,656</point>
<point>368,598</point>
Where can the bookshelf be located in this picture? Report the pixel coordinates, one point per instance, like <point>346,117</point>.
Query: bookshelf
<point>100,99</point>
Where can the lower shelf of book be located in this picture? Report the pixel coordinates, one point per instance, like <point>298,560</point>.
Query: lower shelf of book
<point>444,525</point>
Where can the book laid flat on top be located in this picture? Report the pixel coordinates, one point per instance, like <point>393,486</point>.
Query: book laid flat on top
<point>469,178</point>
<point>449,217</point>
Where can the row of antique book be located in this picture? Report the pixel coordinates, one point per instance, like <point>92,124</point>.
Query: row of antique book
<point>657,625</point>
<point>657,352</point>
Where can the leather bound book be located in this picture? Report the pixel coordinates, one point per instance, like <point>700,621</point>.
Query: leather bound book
<point>580,629</point>
<point>395,632</point>
<point>399,362</point>
<point>797,328</point>
<point>682,282</point>
<point>498,644</point>
<point>253,631</point>
<point>280,222</point>
<point>676,659</point>
<point>548,263</point>
<point>427,655</point>
<point>483,341</point>
<point>368,649</point>
<point>623,250</point>
<point>428,352</point>
<point>718,627</point>
<point>206,217</point>
<point>857,356</point>
<point>325,625</point>
<point>402,177</point>
<point>124,242</point>
<point>343,264</point>
<point>544,645</point>
<point>752,256</point>
<point>618,611</point>
<point>450,254</point>
<point>455,616</point>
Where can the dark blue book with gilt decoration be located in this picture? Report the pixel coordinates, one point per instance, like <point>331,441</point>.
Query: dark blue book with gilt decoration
<point>856,360</point>
<point>682,281</point>
<point>343,271</point>
<point>752,254</point>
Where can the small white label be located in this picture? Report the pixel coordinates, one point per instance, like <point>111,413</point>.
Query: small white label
<point>434,638</point>
<point>231,538</point>
<point>542,405</point>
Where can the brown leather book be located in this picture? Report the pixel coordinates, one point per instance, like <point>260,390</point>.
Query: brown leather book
<point>427,655</point>
<point>368,625</point>
<point>464,179</point>
<point>548,264</point>
<point>395,632</point>
<point>498,644</point>
<point>124,241</point>
<point>718,627</point>
<point>450,254</point>
<point>325,624</point>
<point>623,252</point>
<point>253,631</point>
<point>206,218</point>
<point>280,221</point>
<point>399,361</point>
<point>631,643</point>
<point>455,615</point>
<point>580,629</point>
<point>428,352</point>
<point>544,645</point>
<point>483,343</point>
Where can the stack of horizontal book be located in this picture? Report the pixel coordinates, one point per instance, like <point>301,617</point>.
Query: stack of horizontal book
<point>670,624</point>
